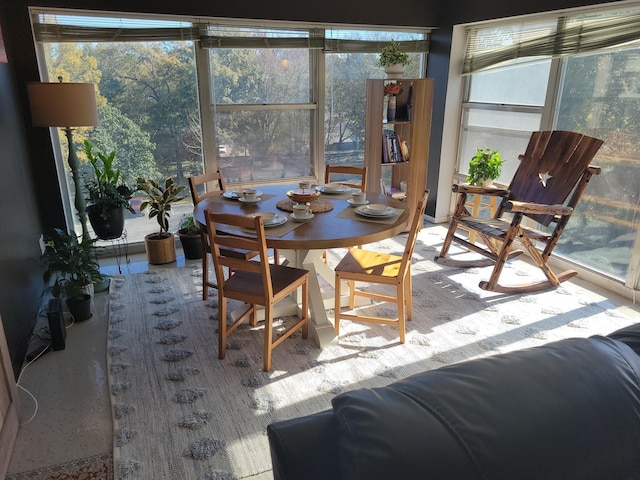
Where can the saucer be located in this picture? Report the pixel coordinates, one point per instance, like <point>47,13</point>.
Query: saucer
<point>354,204</point>
<point>249,202</point>
<point>300,219</point>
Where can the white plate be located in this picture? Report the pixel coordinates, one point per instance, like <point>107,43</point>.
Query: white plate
<point>338,191</point>
<point>354,204</point>
<point>298,219</point>
<point>249,202</point>
<point>277,220</point>
<point>236,195</point>
<point>362,210</point>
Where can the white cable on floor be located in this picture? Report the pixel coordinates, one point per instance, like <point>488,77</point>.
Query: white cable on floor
<point>35,401</point>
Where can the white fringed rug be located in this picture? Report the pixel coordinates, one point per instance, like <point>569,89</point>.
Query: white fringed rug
<point>180,413</point>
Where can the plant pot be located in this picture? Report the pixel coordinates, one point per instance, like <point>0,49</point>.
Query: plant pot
<point>109,228</point>
<point>160,247</point>
<point>191,245</point>
<point>394,70</point>
<point>487,182</point>
<point>80,307</point>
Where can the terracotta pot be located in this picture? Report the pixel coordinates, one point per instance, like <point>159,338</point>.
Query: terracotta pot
<point>160,247</point>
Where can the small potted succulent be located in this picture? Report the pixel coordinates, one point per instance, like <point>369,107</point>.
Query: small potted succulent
<point>393,59</point>
<point>190,236</point>
<point>484,167</point>
<point>160,246</point>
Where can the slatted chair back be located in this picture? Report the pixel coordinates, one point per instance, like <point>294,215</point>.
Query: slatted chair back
<point>210,183</point>
<point>551,167</point>
<point>352,172</point>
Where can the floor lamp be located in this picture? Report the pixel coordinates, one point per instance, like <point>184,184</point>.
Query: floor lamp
<point>66,105</point>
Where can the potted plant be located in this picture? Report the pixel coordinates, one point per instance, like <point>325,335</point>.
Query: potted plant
<point>160,246</point>
<point>393,59</point>
<point>190,237</point>
<point>73,264</point>
<point>107,196</point>
<point>484,167</point>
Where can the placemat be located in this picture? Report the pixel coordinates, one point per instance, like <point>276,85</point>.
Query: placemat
<point>222,199</point>
<point>317,206</point>
<point>350,213</point>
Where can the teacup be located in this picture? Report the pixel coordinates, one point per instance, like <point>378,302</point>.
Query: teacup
<point>249,195</point>
<point>304,185</point>
<point>358,197</point>
<point>301,211</point>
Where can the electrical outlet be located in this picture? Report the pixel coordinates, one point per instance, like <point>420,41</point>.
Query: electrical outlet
<point>42,245</point>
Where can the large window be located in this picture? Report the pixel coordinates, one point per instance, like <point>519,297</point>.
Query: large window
<point>594,90</point>
<point>260,103</point>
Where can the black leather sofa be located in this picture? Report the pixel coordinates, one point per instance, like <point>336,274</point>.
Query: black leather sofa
<point>566,410</point>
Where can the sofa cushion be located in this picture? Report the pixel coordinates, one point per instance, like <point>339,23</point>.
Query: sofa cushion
<point>553,412</point>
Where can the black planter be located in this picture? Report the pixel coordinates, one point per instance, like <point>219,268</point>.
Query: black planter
<point>191,245</point>
<point>80,307</point>
<point>110,227</point>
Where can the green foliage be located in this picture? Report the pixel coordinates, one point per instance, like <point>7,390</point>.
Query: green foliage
<point>393,55</point>
<point>188,225</point>
<point>485,164</point>
<point>72,262</point>
<point>105,191</point>
<point>160,199</point>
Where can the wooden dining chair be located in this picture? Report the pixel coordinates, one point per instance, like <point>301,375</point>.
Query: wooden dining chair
<point>357,176</point>
<point>257,283</point>
<point>552,176</point>
<point>212,184</point>
<point>360,265</point>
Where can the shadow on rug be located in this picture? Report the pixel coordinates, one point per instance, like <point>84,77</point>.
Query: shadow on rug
<point>99,467</point>
<point>180,412</point>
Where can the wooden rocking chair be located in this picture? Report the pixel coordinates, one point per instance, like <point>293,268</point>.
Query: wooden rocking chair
<point>552,176</point>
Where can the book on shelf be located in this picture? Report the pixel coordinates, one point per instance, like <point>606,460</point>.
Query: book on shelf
<point>393,150</point>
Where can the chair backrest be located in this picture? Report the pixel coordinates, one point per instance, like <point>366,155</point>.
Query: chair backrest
<point>416,225</point>
<point>351,171</point>
<point>212,183</point>
<point>551,167</point>
<point>224,231</point>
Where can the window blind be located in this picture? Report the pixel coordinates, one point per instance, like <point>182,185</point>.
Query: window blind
<point>489,47</point>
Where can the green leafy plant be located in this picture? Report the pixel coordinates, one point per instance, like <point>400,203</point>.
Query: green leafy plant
<point>106,192</point>
<point>72,262</point>
<point>188,226</point>
<point>160,199</point>
<point>486,164</point>
<point>393,55</point>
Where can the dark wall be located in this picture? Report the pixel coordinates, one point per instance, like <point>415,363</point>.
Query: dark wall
<point>20,274</point>
<point>32,202</point>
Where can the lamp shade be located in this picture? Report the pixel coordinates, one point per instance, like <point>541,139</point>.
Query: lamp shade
<point>62,104</point>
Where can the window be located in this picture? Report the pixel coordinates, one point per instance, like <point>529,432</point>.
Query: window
<point>544,75</point>
<point>260,103</point>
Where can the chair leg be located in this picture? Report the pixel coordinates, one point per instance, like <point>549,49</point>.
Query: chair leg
<point>205,269</point>
<point>336,321</point>
<point>400,294</point>
<point>352,294</point>
<point>305,309</point>
<point>408,289</point>
<point>222,327</point>
<point>268,336</point>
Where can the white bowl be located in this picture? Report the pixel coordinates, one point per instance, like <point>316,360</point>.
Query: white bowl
<point>377,207</point>
<point>266,216</point>
<point>333,187</point>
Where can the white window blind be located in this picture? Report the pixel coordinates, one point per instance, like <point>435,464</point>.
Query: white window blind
<point>490,47</point>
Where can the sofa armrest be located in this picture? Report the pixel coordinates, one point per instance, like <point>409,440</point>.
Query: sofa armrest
<point>305,448</point>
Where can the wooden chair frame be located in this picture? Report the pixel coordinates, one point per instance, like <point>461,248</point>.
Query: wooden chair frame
<point>360,265</point>
<point>257,283</point>
<point>347,170</point>
<point>207,179</point>
<point>552,176</point>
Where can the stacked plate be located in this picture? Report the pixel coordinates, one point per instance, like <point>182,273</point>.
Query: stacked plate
<point>270,219</point>
<point>333,188</point>
<point>376,210</point>
<point>237,195</point>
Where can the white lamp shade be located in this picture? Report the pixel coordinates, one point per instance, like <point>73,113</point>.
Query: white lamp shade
<point>62,104</point>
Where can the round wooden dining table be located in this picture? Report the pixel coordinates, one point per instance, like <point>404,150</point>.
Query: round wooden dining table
<point>302,246</point>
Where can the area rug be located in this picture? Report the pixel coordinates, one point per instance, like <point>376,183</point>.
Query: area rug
<point>99,467</point>
<point>180,412</point>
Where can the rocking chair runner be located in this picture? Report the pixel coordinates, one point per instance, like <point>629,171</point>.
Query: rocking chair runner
<point>554,168</point>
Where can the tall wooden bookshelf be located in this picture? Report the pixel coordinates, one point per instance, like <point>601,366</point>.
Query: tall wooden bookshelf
<point>412,125</point>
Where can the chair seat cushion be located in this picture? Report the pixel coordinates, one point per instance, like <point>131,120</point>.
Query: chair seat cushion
<point>366,262</point>
<point>250,283</point>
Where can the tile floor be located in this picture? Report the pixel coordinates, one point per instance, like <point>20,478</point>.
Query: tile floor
<point>73,418</point>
